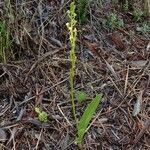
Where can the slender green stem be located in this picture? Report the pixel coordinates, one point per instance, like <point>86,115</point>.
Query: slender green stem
<point>72,99</point>
<point>72,37</point>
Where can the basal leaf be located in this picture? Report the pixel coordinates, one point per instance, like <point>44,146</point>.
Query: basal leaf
<point>86,117</point>
<point>81,96</point>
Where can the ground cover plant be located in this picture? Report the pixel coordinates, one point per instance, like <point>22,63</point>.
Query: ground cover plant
<point>82,10</point>
<point>81,86</point>
<point>42,115</point>
<point>4,41</point>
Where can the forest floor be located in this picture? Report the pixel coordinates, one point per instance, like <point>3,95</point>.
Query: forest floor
<point>113,58</point>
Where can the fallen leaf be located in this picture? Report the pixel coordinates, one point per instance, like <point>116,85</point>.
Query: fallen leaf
<point>116,39</point>
<point>139,64</point>
<point>137,106</point>
<point>65,141</point>
<point>111,69</point>
<point>3,135</point>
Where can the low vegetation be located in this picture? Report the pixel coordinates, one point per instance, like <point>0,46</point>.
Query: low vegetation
<point>4,41</point>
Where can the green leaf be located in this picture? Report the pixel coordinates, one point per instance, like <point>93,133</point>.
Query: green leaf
<point>81,96</point>
<point>42,115</point>
<point>86,117</point>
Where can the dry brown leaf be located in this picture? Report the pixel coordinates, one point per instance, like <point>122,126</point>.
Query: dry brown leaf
<point>137,106</point>
<point>148,47</point>
<point>3,135</point>
<point>116,39</point>
<point>138,64</point>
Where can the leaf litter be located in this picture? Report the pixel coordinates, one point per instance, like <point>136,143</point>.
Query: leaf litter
<point>117,65</point>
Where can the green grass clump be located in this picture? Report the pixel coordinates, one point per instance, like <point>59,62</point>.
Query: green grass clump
<point>4,41</point>
<point>144,28</point>
<point>113,21</point>
<point>138,14</point>
<point>126,6</point>
<point>82,10</point>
